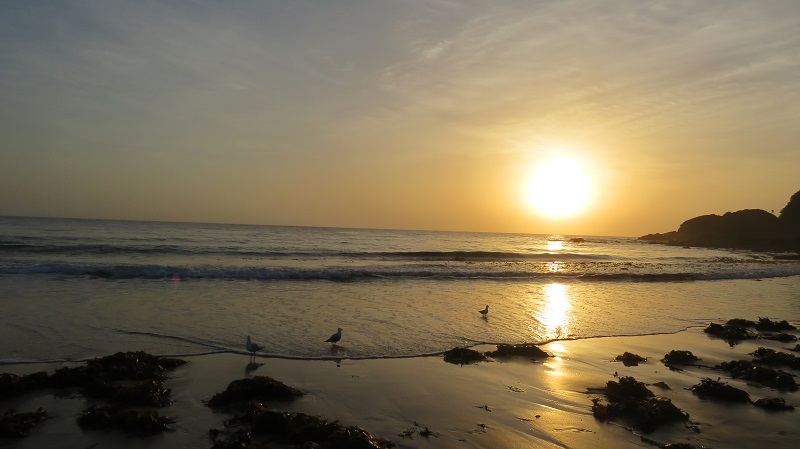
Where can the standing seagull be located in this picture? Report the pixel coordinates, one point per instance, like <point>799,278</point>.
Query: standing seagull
<point>335,337</point>
<point>485,311</point>
<point>252,348</point>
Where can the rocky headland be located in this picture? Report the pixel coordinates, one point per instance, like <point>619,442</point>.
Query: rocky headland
<point>752,229</point>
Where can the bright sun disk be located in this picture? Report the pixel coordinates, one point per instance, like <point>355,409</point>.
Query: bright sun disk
<point>559,188</point>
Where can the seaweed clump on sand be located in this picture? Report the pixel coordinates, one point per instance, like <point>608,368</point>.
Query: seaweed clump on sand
<point>633,401</point>
<point>768,356</point>
<point>146,394</point>
<point>765,324</point>
<point>18,425</point>
<point>461,356</point>
<point>630,359</point>
<point>714,389</point>
<point>777,404</point>
<point>733,332</point>
<point>523,350</point>
<point>137,365</point>
<point>258,388</point>
<point>132,422</point>
<point>746,370</point>
<point>679,357</point>
<point>782,337</point>
<point>296,429</point>
<point>737,329</point>
<point>12,385</point>
<point>109,378</point>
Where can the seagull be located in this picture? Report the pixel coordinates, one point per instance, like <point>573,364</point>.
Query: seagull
<point>485,311</point>
<point>252,348</point>
<point>335,337</point>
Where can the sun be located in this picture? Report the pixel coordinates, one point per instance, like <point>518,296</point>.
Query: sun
<point>559,188</point>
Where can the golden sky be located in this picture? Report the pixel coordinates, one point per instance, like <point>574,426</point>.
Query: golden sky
<point>402,115</point>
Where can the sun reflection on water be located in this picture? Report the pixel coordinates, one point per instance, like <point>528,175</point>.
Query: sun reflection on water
<point>555,315</point>
<point>555,245</point>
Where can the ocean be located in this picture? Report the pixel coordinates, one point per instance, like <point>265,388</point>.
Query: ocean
<point>75,289</point>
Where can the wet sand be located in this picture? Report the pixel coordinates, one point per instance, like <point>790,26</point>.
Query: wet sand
<point>500,404</point>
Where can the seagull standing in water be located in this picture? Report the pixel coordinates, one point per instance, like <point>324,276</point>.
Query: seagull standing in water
<point>252,348</point>
<point>485,311</point>
<point>335,337</point>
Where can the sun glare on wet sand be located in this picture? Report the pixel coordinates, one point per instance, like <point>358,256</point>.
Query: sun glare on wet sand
<point>559,188</point>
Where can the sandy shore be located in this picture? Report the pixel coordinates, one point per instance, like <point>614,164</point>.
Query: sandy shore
<point>499,404</point>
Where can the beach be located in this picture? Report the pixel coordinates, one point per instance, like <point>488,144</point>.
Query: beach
<point>77,291</point>
<point>503,403</point>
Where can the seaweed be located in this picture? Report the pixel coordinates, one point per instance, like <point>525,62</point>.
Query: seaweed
<point>631,400</point>
<point>461,356</point>
<point>523,350</point>
<point>300,428</point>
<point>630,359</point>
<point>132,422</point>
<point>781,337</point>
<point>149,393</point>
<point>731,333</point>
<point>258,388</point>
<point>19,425</point>
<point>714,389</point>
<point>765,324</point>
<point>679,357</point>
<point>778,404</point>
<point>772,357</point>
<point>743,369</point>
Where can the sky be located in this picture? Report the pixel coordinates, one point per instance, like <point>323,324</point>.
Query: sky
<point>398,114</point>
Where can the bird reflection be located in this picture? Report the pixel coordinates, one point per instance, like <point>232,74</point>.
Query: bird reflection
<point>252,366</point>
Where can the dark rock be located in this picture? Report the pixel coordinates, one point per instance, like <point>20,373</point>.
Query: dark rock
<point>18,425</point>
<point>258,388</point>
<point>790,219</point>
<point>132,422</point>
<point>524,350</point>
<point>753,229</point>
<point>715,389</point>
<point>461,356</point>
<point>679,357</point>
<point>630,359</point>
<point>765,324</point>
<point>743,369</point>
<point>773,404</point>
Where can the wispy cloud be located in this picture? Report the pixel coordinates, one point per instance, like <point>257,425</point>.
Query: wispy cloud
<point>307,82</point>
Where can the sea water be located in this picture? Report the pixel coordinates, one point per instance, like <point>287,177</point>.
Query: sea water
<point>76,289</point>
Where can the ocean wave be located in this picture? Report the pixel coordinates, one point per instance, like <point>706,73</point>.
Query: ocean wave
<point>83,249</point>
<point>596,272</point>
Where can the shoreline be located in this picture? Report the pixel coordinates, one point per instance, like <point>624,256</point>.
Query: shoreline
<point>503,403</point>
<point>331,358</point>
